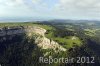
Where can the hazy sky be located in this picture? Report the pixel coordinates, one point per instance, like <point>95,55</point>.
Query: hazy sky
<point>66,9</point>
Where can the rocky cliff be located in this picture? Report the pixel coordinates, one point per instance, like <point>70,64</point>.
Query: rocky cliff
<point>42,41</point>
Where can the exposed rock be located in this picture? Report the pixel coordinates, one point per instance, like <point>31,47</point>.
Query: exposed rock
<point>46,43</point>
<point>74,38</point>
<point>36,30</point>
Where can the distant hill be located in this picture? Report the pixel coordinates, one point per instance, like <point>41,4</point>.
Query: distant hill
<point>72,21</point>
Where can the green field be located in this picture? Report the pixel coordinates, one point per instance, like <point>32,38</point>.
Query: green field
<point>90,32</point>
<point>69,42</point>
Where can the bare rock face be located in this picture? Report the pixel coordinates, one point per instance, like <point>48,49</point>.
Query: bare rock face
<point>36,30</point>
<point>21,30</point>
<point>44,42</point>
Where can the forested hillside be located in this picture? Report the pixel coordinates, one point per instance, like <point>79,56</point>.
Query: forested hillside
<point>21,44</point>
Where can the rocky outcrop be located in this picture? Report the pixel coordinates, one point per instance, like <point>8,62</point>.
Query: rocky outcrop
<point>11,31</point>
<point>44,42</point>
<point>36,30</point>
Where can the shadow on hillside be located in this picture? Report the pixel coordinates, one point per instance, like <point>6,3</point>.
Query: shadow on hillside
<point>18,50</point>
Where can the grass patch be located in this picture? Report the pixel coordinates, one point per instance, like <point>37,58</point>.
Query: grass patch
<point>69,42</point>
<point>90,32</point>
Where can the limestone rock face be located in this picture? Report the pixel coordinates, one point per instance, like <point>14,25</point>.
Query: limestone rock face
<point>46,43</point>
<point>20,30</point>
<point>36,30</point>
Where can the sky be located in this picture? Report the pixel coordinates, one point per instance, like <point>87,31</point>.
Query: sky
<point>50,9</point>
